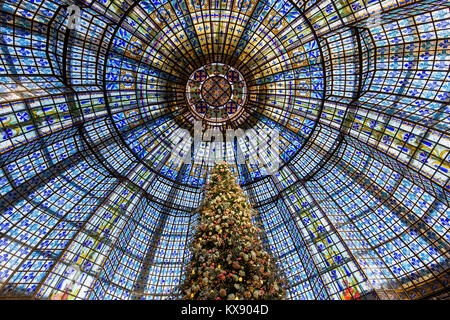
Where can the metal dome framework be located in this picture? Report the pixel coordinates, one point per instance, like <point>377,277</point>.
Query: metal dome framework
<point>94,205</point>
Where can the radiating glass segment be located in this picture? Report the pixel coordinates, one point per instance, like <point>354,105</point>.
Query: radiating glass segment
<point>97,198</point>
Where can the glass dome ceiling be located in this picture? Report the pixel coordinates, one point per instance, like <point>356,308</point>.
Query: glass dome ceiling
<point>97,203</point>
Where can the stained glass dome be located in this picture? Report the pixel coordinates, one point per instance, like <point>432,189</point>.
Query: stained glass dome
<point>98,113</point>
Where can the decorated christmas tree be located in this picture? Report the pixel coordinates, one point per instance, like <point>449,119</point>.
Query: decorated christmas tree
<point>228,260</point>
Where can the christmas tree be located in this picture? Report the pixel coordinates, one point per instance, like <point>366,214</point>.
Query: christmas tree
<point>228,260</point>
